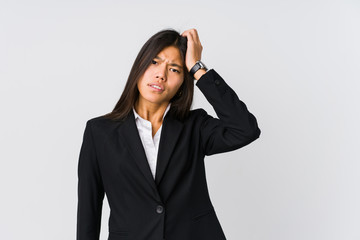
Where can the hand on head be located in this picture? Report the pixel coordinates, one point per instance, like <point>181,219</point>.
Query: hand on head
<point>194,47</point>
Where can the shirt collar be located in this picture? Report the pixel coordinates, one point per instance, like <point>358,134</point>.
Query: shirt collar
<point>166,110</point>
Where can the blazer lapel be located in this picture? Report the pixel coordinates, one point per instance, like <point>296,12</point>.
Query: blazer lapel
<point>129,134</point>
<point>170,133</point>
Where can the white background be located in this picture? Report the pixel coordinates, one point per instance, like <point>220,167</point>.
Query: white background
<point>294,63</point>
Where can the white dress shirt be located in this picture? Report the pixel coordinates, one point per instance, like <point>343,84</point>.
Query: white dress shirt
<point>150,143</point>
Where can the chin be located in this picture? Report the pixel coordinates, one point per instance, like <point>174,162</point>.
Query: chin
<point>156,100</point>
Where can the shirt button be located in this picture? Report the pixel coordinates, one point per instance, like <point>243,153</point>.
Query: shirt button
<point>217,82</point>
<point>159,209</point>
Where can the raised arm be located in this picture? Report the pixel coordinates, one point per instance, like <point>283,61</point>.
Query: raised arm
<point>235,126</point>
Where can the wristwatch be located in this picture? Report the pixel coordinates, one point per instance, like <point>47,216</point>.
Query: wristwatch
<point>198,65</point>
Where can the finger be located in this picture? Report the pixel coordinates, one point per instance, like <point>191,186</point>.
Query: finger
<point>194,36</point>
<point>190,38</point>
<point>185,33</point>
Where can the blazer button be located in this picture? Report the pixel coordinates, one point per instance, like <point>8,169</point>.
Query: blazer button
<point>217,82</point>
<point>159,209</point>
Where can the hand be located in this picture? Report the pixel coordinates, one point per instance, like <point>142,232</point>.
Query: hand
<point>194,48</point>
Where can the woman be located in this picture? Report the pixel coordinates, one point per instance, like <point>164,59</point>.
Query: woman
<point>147,155</point>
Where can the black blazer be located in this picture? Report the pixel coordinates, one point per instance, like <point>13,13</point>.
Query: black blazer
<point>176,205</point>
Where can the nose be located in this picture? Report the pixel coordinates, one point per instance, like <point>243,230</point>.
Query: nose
<point>161,73</point>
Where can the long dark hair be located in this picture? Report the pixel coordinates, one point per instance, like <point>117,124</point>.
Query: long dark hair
<point>181,102</point>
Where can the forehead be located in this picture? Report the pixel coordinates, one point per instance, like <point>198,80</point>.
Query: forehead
<point>171,54</point>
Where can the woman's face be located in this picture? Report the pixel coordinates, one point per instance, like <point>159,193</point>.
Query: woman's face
<point>162,79</point>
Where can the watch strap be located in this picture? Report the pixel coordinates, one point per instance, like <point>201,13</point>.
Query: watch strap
<point>198,65</point>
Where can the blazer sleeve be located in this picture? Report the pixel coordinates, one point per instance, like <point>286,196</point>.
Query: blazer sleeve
<point>90,190</point>
<point>235,126</point>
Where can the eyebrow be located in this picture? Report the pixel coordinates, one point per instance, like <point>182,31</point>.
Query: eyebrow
<point>171,64</point>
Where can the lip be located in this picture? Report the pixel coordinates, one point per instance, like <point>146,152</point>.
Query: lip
<point>156,89</point>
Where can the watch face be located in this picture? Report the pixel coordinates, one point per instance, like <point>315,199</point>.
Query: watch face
<point>202,65</point>
<point>198,65</point>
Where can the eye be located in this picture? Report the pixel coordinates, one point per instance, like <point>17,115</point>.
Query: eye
<point>175,70</point>
<point>153,62</point>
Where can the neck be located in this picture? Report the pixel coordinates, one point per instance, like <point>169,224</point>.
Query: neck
<point>151,111</point>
